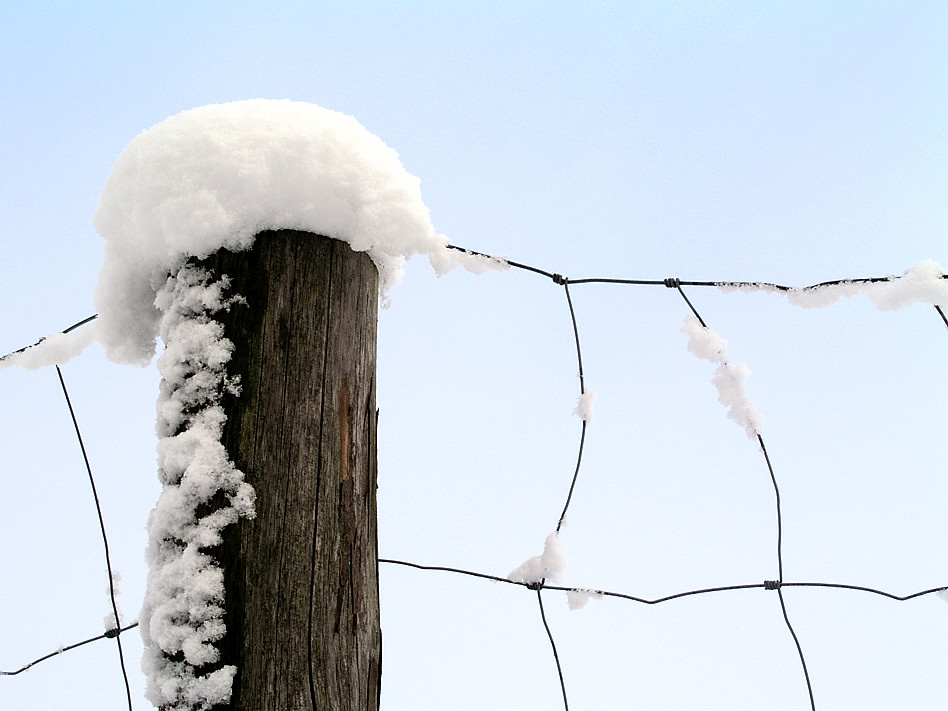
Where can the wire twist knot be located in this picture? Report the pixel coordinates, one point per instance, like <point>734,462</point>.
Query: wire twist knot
<point>560,279</point>
<point>672,282</point>
<point>771,585</point>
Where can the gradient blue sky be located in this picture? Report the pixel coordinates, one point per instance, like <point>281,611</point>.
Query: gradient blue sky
<point>789,142</point>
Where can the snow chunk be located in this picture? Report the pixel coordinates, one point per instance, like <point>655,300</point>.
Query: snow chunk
<point>584,406</point>
<point>56,349</point>
<point>923,283</point>
<point>110,622</point>
<point>443,262</point>
<point>215,176</point>
<point>728,378</point>
<point>546,567</point>
<point>577,599</point>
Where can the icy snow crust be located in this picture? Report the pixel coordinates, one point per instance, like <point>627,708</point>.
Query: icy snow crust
<point>215,176</point>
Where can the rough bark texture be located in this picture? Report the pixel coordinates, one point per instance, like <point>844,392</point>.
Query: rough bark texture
<point>301,578</point>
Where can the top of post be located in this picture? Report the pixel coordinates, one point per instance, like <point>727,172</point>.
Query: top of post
<point>215,176</point>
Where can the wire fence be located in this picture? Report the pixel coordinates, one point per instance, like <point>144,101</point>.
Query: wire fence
<point>539,586</point>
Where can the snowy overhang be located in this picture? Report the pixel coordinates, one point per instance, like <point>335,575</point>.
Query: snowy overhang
<point>215,176</point>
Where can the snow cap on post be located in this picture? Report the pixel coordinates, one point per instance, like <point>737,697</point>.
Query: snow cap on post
<point>214,177</point>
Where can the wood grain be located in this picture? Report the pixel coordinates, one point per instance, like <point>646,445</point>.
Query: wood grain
<point>301,578</point>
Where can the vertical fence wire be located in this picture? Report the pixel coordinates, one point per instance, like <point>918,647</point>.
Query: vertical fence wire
<point>117,630</point>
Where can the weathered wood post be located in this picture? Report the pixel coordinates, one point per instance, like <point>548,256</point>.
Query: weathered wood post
<point>262,589</point>
<point>301,578</point>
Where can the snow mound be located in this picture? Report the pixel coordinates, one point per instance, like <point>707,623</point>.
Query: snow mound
<point>215,176</point>
<point>548,566</point>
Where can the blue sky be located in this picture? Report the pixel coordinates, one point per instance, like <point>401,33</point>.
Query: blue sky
<point>786,142</point>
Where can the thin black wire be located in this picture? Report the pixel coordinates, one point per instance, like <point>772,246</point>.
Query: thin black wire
<point>663,282</point>
<point>106,635</point>
<point>796,641</point>
<point>783,606</point>
<point>84,321</point>
<point>446,569</point>
<point>105,539</point>
<point>941,313</point>
<point>582,391</point>
<point>891,596</point>
<point>556,656</point>
<point>676,283</point>
<point>773,480</point>
<point>766,585</point>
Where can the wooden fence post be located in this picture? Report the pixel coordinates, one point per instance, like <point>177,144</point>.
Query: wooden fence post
<point>301,578</point>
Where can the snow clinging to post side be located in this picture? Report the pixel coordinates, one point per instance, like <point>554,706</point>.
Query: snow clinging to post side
<point>182,615</point>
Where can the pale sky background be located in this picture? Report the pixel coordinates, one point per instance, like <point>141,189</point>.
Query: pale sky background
<point>787,142</point>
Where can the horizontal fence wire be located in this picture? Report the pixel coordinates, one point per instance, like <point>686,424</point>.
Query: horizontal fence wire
<point>112,633</point>
<point>539,587</point>
<point>765,585</point>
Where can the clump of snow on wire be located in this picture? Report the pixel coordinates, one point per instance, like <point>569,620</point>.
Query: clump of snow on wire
<point>182,616</point>
<point>924,282</point>
<point>584,406</point>
<point>50,350</point>
<point>548,566</point>
<point>728,378</point>
<point>578,598</point>
<point>215,176</point>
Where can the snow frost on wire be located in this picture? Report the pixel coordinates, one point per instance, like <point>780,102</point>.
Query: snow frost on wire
<point>922,283</point>
<point>55,349</point>
<point>182,616</point>
<point>584,406</point>
<point>577,599</point>
<point>548,566</point>
<point>728,378</point>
